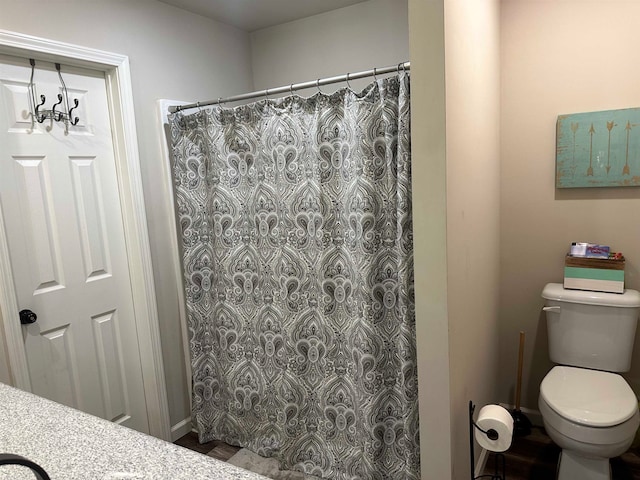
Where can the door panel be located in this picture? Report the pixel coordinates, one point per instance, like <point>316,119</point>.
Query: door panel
<point>59,197</point>
<point>34,190</point>
<point>91,219</point>
<point>16,96</point>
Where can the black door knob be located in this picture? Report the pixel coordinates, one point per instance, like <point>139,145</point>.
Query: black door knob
<point>27,317</point>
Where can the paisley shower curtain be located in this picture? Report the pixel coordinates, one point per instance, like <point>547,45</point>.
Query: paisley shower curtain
<point>296,228</point>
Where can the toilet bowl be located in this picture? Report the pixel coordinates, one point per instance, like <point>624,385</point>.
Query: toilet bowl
<point>592,415</point>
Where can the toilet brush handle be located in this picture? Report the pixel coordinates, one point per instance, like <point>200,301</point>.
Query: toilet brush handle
<point>519,379</point>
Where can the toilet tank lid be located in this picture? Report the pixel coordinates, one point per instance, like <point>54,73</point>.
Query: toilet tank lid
<point>555,291</point>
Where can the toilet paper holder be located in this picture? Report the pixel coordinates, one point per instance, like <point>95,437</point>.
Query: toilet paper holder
<point>500,464</point>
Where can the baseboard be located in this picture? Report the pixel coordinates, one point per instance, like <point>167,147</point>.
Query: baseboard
<point>481,463</point>
<point>180,429</point>
<point>533,415</point>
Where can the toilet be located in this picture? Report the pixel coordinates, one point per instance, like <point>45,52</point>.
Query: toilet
<point>587,408</point>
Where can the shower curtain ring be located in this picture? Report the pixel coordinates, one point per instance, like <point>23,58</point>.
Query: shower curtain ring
<point>291,89</point>
<point>318,86</point>
<point>219,100</point>
<point>375,76</point>
<point>266,94</point>
<point>348,84</point>
<point>198,107</point>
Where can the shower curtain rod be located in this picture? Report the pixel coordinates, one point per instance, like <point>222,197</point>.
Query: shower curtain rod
<point>295,86</point>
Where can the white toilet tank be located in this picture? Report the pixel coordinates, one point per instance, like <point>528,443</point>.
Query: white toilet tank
<point>591,329</point>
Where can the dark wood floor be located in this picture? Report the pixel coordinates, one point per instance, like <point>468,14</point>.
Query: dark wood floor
<point>216,449</point>
<point>535,457</point>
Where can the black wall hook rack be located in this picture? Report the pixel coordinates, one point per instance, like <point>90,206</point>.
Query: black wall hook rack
<point>41,114</point>
<point>500,464</point>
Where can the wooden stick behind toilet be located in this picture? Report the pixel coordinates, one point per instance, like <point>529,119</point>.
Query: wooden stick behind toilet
<point>519,377</point>
<point>521,424</point>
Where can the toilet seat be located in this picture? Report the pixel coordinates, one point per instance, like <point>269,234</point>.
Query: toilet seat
<point>590,398</point>
<point>596,436</point>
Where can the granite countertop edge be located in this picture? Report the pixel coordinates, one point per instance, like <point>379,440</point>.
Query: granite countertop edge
<point>70,444</point>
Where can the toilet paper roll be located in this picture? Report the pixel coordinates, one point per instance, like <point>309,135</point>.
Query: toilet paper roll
<point>495,417</point>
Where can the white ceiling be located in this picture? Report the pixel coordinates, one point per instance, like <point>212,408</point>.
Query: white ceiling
<point>253,15</point>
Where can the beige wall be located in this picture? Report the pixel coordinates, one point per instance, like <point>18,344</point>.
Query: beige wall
<point>173,54</point>
<point>558,57</point>
<point>472,47</point>
<point>360,37</point>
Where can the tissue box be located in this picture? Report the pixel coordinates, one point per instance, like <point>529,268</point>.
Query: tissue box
<point>590,250</point>
<point>597,274</point>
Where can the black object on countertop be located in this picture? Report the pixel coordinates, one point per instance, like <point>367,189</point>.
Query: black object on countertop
<point>11,459</point>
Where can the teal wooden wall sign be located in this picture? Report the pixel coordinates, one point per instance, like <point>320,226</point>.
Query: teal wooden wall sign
<point>598,149</point>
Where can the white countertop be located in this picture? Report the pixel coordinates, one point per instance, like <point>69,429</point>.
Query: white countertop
<point>70,444</point>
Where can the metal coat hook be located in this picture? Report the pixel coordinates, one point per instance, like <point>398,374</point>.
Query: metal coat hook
<point>33,94</point>
<point>75,121</point>
<point>57,116</point>
<point>65,114</point>
<point>40,117</point>
<point>68,117</point>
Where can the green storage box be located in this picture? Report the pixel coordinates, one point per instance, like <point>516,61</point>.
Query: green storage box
<point>596,274</point>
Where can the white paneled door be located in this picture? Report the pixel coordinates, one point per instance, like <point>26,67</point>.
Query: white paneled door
<point>60,203</point>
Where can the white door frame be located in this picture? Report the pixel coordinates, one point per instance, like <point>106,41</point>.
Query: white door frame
<point>120,99</point>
